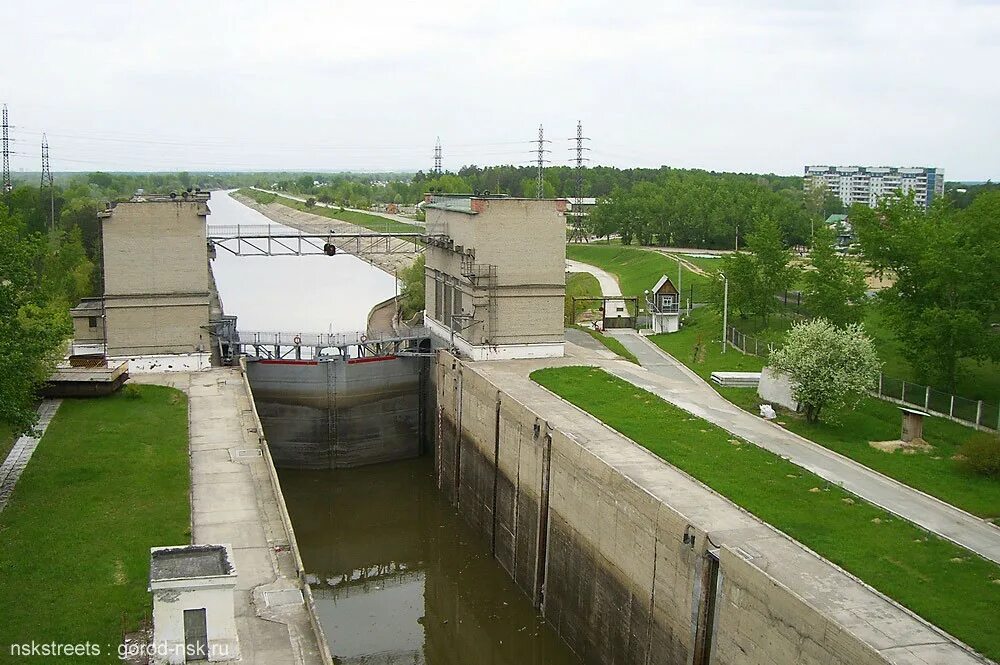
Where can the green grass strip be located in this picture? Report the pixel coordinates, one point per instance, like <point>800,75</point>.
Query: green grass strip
<point>638,269</point>
<point>945,584</point>
<point>936,471</point>
<point>362,219</point>
<point>108,481</point>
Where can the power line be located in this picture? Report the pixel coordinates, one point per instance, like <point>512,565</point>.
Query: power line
<point>47,181</point>
<point>437,157</point>
<point>540,192</point>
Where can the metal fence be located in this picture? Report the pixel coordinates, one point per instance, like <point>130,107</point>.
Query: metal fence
<point>977,413</point>
<point>748,344</point>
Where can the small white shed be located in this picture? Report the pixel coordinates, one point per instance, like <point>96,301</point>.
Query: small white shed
<point>193,603</point>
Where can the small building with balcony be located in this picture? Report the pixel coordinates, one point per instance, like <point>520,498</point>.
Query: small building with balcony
<point>664,304</point>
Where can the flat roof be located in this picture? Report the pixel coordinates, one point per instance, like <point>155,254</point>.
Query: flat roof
<point>191,561</point>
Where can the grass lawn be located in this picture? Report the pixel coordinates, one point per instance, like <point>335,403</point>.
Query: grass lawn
<point>370,222</point>
<point>581,285</point>
<point>945,584</point>
<point>849,433</point>
<point>637,269</point>
<point>108,481</point>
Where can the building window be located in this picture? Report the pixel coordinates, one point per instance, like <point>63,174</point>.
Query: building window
<point>92,321</point>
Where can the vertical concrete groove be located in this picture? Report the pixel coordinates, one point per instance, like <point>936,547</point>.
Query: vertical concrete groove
<point>652,590</point>
<point>458,438</point>
<point>541,556</point>
<point>517,500</point>
<point>496,474</point>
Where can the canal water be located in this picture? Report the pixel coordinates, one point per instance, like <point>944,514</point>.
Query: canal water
<point>398,576</point>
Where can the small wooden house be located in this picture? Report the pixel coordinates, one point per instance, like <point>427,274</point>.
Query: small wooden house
<point>664,304</point>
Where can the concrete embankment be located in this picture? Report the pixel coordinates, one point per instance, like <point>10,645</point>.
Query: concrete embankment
<point>305,221</point>
<point>236,499</point>
<point>632,560</point>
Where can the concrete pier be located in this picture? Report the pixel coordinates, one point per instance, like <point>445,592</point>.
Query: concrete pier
<point>235,499</point>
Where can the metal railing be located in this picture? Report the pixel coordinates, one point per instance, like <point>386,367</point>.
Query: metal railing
<point>975,413</point>
<point>340,339</point>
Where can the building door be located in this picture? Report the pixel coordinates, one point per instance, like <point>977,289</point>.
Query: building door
<point>196,634</point>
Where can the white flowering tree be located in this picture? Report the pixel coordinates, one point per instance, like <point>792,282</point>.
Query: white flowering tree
<point>828,366</point>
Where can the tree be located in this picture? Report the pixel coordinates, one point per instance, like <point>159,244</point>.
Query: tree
<point>757,276</point>
<point>774,274</point>
<point>835,287</point>
<point>829,367</point>
<point>412,292</point>
<point>34,322</point>
<point>945,297</point>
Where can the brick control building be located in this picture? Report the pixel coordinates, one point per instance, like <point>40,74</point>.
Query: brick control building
<point>496,275</point>
<point>156,285</point>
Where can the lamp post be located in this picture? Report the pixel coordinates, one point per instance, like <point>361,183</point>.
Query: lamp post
<point>725,310</point>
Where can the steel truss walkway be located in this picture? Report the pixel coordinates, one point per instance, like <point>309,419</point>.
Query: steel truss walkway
<point>276,240</point>
<point>353,347</point>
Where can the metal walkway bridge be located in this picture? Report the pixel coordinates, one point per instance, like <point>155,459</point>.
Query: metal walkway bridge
<point>278,240</point>
<point>353,346</point>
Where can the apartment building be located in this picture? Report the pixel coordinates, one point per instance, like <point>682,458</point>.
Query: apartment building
<point>870,184</point>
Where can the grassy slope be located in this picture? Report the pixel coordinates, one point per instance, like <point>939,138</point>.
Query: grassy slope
<point>934,472</point>
<point>108,481</point>
<point>370,222</point>
<point>581,285</point>
<point>943,583</point>
<point>637,269</point>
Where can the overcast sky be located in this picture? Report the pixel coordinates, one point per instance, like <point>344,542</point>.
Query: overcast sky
<point>725,85</point>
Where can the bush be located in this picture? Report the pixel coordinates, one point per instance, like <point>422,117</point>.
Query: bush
<point>131,391</point>
<point>981,453</point>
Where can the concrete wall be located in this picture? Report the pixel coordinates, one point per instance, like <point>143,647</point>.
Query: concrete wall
<point>334,414</point>
<point>776,388</point>
<point>634,562</point>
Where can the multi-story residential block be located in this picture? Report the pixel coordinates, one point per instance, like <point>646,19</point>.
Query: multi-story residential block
<point>870,184</point>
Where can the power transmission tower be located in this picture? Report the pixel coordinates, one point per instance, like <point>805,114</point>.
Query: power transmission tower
<point>577,210</point>
<point>540,192</point>
<point>437,157</point>
<point>6,185</point>
<point>47,182</point>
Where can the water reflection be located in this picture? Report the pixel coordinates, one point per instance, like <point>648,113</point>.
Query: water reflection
<point>293,293</point>
<point>401,579</point>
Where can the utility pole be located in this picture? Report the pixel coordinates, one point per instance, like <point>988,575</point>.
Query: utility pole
<point>578,205</point>
<point>437,157</point>
<point>47,182</point>
<point>540,192</point>
<point>6,185</point>
<point>725,311</point>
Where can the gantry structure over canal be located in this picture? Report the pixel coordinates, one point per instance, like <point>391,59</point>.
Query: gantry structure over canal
<point>276,240</point>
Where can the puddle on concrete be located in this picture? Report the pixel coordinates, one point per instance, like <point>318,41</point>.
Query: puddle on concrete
<point>402,579</point>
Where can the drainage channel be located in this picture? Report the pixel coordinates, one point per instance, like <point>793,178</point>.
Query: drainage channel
<point>399,578</point>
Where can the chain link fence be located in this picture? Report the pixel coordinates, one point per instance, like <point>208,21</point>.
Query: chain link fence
<point>977,413</point>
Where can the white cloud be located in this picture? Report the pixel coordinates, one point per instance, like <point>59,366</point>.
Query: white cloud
<point>762,86</point>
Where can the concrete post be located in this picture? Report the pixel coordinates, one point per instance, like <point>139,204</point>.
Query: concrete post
<point>927,397</point>
<point>725,312</point>
<point>979,412</point>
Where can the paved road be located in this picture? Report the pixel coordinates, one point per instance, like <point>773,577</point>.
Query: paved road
<point>609,286</point>
<point>671,380</point>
